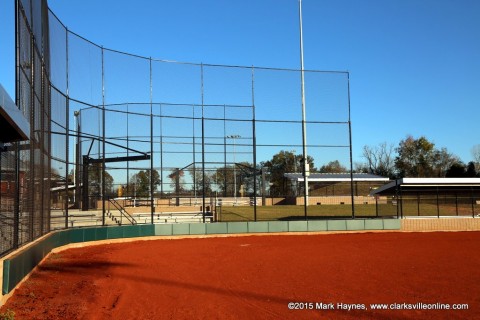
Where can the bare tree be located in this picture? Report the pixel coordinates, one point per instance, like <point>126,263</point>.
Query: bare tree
<point>444,160</point>
<point>380,159</point>
<point>476,156</point>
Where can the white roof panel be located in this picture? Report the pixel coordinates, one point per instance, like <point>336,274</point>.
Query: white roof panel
<point>427,182</point>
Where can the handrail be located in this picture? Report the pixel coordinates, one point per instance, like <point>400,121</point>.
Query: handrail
<point>123,211</point>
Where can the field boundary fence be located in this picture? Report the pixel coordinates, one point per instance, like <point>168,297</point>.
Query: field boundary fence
<point>161,137</point>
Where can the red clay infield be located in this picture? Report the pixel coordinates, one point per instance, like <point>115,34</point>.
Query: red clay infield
<point>256,277</point>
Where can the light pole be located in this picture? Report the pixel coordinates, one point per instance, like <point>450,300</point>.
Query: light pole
<point>306,169</point>
<point>234,136</point>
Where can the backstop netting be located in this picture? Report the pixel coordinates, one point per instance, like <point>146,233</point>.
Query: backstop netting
<point>108,125</point>
<point>121,138</point>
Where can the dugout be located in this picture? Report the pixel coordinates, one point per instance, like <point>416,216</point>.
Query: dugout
<point>433,197</point>
<point>15,126</point>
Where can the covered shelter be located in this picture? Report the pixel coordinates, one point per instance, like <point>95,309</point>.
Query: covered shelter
<point>434,197</point>
<point>334,184</point>
<point>15,126</point>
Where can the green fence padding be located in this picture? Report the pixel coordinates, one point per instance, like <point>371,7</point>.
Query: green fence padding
<point>75,235</point>
<point>297,226</point>
<point>317,225</point>
<point>373,224</point>
<point>163,230</point>
<point>6,277</point>
<point>114,232</point>
<point>147,230</point>
<point>278,226</point>
<point>61,238</point>
<point>181,229</point>
<point>392,224</point>
<point>26,260</point>
<point>36,255</point>
<point>51,242</point>
<point>355,224</point>
<point>258,227</point>
<point>217,228</point>
<point>336,225</point>
<point>198,228</point>
<point>131,231</point>
<point>16,268</point>
<point>237,227</point>
<point>89,234</point>
<point>16,272</point>
<point>101,233</point>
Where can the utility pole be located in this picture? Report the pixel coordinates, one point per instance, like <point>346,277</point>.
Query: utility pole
<point>306,167</point>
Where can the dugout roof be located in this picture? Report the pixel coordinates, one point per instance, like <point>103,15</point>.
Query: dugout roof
<point>14,125</point>
<point>427,184</point>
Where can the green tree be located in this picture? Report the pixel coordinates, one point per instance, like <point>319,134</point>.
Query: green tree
<point>95,180</point>
<point>141,182</point>
<point>471,171</point>
<point>197,177</point>
<point>420,158</point>
<point>415,158</point>
<point>476,156</point>
<point>333,167</point>
<point>177,180</point>
<point>456,170</point>
<point>224,178</point>
<point>443,160</point>
<point>281,163</point>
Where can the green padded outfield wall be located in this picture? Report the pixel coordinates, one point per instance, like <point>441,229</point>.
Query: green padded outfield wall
<point>20,264</point>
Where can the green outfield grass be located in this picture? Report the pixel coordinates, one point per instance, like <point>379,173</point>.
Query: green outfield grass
<point>292,212</point>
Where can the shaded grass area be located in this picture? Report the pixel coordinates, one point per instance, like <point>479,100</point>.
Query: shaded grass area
<point>292,212</point>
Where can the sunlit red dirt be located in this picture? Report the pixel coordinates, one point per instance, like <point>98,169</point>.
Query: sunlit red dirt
<point>256,277</point>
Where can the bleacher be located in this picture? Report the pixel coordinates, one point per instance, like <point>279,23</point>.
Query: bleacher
<point>77,218</point>
<point>173,217</point>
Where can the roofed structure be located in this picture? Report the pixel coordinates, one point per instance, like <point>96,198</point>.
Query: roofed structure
<point>425,184</point>
<point>434,197</point>
<point>337,177</point>
<point>13,123</point>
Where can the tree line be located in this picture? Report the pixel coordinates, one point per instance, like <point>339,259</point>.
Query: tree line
<point>417,158</point>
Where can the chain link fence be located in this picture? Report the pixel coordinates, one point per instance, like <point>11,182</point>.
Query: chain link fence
<point>31,168</point>
<point>112,128</point>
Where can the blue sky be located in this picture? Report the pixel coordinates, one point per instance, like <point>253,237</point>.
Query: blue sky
<point>414,64</point>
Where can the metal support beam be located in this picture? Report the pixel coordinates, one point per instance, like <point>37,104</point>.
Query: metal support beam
<point>85,183</point>
<point>120,159</point>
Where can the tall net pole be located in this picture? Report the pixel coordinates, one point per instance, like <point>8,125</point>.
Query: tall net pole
<point>306,169</point>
